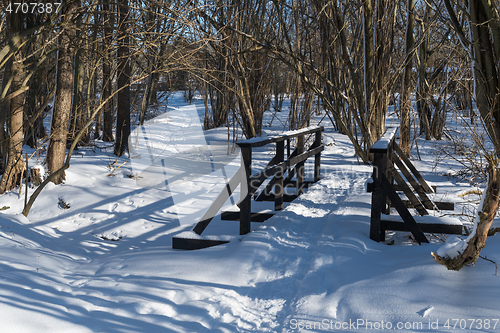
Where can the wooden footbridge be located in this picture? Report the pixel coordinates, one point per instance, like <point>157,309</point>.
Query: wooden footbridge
<point>393,176</point>
<point>283,173</point>
<point>393,172</point>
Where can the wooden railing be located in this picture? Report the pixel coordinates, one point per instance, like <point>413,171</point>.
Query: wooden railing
<point>276,168</point>
<point>280,170</point>
<point>386,180</point>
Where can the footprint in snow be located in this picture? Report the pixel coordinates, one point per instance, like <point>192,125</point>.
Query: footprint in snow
<point>425,312</point>
<point>112,207</point>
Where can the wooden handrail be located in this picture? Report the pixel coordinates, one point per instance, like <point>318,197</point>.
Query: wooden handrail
<point>384,143</point>
<point>386,156</point>
<point>259,142</point>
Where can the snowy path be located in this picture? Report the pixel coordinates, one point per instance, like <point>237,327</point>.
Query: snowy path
<point>309,268</point>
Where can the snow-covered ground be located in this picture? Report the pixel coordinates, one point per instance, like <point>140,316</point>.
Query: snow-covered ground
<point>105,264</point>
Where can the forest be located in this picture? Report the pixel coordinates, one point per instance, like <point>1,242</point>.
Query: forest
<point>81,74</point>
<point>85,248</point>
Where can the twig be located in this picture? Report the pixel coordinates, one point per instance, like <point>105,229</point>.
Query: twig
<point>496,267</point>
<point>493,231</point>
<point>118,167</point>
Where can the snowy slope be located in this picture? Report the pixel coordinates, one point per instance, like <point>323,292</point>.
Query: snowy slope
<point>106,263</point>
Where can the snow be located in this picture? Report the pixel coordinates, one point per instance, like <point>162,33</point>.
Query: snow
<point>384,141</point>
<point>455,245</point>
<point>310,268</point>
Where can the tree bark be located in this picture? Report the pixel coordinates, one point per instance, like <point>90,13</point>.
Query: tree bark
<point>484,69</point>
<point>406,94</point>
<point>483,223</point>
<point>485,48</point>
<point>64,94</point>
<point>369,55</point>
<point>108,117</point>
<point>15,163</point>
<point>123,98</point>
<point>77,107</point>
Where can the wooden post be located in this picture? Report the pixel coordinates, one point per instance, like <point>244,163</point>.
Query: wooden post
<point>288,148</point>
<point>317,157</point>
<point>246,203</point>
<point>27,174</point>
<point>288,153</point>
<point>388,174</point>
<point>378,197</point>
<point>300,166</point>
<point>279,189</point>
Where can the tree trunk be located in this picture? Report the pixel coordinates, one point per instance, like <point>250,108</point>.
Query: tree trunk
<point>64,94</point>
<point>123,98</point>
<point>485,215</point>
<point>485,48</point>
<point>484,69</point>
<point>108,117</point>
<point>369,55</point>
<point>15,163</point>
<point>4,112</point>
<point>77,107</point>
<point>406,94</point>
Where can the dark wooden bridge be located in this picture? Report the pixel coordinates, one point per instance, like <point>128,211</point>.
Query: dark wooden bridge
<point>393,172</point>
<point>282,173</point>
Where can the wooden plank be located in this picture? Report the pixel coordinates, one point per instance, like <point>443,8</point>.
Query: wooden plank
<point>293,183</point>
<point>403,211</point>
<point>255,217</point>
<point>272,182</point>
<point>369,187</point>
<point>428,204</point>
<point>407,191</point>
<point>246,203</point>
<point>300,166</point>
<point>317,158</point>
<point>194,244</point>
<point>389,176</point>
<point>383,144</point>
<point>259,142</point>
<point>218,202</point>
<point>258,179</point>
<point>432,228</point>
<point>398,188</point>
<point>272,197</point>
<point>413,170</point>
<point>378,197</point>
<point>278,178</point>
<point>441,205</point>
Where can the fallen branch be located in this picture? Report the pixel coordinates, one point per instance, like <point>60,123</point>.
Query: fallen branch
<point>468,250</point>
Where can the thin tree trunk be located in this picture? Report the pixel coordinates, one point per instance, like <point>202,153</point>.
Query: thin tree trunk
<point>15,163</point>
<point>107,112</point>
<point>4,112</point>
<point>77,108</point>
<point>368,67</point>
<point>64,93</point>
<point>123,98</point>
<point>406,95</point>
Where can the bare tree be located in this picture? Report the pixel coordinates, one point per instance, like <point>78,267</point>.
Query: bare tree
<point>123,81</point>
<point>108,118</point>
<point>484,45</point>
<point>64,92</point>
<point>15,162</point>
<point>406,93</point>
